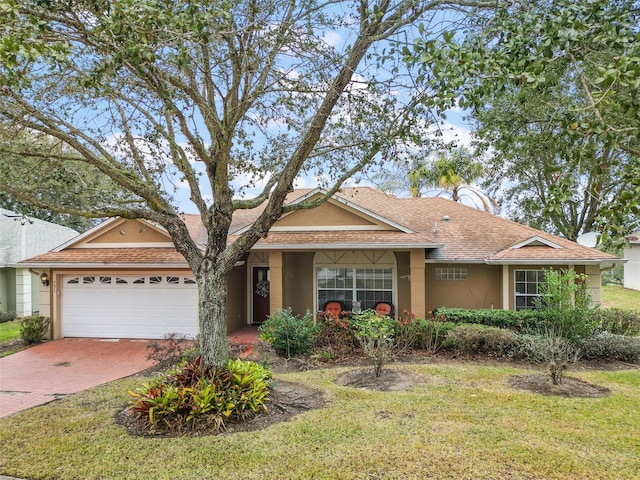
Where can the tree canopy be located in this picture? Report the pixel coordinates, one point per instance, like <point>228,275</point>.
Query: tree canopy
<point>581,62</point>
<point>213,97</point>
<point>66,178</point>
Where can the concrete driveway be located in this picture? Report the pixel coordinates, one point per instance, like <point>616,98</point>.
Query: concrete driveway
<point>57,368</point>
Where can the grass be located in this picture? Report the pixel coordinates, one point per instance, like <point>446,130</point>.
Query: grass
<point>9,331</point>
<point>620,297</point>
<point>464,421</point>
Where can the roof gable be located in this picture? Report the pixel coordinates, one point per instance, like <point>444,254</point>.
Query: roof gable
<point>535,241</point>
<point>121,233</point>
<point>336,214</point>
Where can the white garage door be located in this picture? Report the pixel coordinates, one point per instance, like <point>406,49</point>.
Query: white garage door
<point>129,306</point>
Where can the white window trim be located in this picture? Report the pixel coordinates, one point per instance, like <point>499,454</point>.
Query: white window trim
<point>394,275</point>
<point>515,293</point>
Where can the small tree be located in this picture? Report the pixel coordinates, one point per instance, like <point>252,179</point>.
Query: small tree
<point>567,304</point>
<point>375,334</point>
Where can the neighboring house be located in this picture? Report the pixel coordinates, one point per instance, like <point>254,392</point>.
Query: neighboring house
<point>124,278</point>
<point>20,238</point>
<point>632,267</point>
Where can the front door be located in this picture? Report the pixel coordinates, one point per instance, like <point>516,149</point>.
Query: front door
<point>260,289</point>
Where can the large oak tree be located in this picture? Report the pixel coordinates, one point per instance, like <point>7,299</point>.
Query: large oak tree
<point>214,96</point>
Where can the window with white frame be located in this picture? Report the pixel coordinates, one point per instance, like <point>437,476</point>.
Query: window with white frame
<point>367,285</point>
<point>527,288</point>
<point>451,273</point>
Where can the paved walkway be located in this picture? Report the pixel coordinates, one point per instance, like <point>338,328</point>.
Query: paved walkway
<point>45,372</point>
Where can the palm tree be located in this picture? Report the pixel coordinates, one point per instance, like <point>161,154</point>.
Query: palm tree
<point>453,173</point>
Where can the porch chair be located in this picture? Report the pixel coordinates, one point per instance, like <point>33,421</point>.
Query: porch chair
<point>333,308</point>
<point>383,308</point>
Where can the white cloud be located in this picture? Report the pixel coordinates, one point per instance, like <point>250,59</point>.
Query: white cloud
<point>333,39</point>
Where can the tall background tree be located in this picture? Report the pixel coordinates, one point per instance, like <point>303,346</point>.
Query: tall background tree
<point>72,182</point>
<point>156,93</point>
<point>562,81</point>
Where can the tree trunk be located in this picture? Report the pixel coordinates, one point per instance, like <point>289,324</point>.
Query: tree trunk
<point>212,315</point>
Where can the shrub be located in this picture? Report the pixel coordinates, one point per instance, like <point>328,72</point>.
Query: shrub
<point>553,349</point>
<point>7,316</point>
<point>33,329</point>
<point>194,395</point>
<point>375,334</point>
<point>616,321</point>
<point>288,334</point>
<point>610,346</point>
<point>566,304</point>
<point>335,336</point>
<point>420,333</point>
<point>472,339</point>
<point>521,321</point>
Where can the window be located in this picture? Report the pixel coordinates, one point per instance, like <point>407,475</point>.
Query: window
<point>173,280</point>
<point>188,281</point>
<point>348,284</point>
<point>87,280</point>
<point>105,280</point>
<point>155,280</point>
<point>139,281</point>
<point>120,281</point>
<point>451,273</point>
<point>527,288</point>
<point>73,280</point>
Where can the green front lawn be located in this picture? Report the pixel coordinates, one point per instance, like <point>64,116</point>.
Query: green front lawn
<point>620,297</point>
<point>464,421</point>
<point>9,331</point>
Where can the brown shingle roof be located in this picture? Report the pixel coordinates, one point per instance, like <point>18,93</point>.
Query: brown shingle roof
<point>466,235</point>
<point>111,256</point>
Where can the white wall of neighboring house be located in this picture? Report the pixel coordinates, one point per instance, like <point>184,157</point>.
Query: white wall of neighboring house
<point>22,238</point>
<point>632,267</point>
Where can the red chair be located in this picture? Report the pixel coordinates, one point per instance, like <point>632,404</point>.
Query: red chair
<point>383,308</point>
<point>333,308</point>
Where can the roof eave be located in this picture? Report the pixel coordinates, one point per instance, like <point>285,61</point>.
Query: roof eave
<point>566,261</point>
<point>346,246</point>
<point>54,265</point>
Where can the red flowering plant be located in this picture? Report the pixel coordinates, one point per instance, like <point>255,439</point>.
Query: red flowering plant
<point>336,334</point>
<point>406,332</point>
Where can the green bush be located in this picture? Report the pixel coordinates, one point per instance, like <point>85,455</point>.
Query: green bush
<point>473,339</point>
<point>610,346</point>
<point>288,334</point>
<point>33,329</point>
<point>522,321</point>
<point>7,316</point>
<point>419,333</point>
<point>565,301</point>
<point>616,321</point>
<point>375,334</point>
<point>194,395</point>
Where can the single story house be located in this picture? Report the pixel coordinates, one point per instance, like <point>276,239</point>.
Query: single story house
<point>124,278</point>
<point>632,266</point>
<point>20,238</point>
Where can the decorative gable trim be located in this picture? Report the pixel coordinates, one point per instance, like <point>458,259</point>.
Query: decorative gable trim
<point>536,241</point>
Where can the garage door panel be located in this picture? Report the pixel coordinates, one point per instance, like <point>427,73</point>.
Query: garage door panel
<point>128,306</point>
